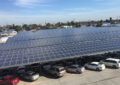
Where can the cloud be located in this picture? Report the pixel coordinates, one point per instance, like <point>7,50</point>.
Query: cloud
<point>108,2</point>
<point>71,9</point>
<point>98,11</point>
<point>55,16</point>
<point>29,3</point>
<point>77,9</point>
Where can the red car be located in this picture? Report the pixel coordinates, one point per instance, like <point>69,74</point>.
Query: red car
<point>9,80</point>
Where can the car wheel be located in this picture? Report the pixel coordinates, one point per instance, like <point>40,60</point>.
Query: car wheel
<point>97,69</point>
<point>56,76</point>
<point>115,67</point>
<point>86,67</point>
<point>78,72</point>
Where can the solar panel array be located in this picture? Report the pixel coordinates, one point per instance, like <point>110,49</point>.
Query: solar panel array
<point>51,45</point>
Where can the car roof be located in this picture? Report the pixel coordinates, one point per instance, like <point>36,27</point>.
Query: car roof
<point>75,65</point>
<point>58,66</point>
<point>94,62</point>
<point>113,59</point>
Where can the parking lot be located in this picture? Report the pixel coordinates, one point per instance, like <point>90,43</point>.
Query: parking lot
<point>106,77</point>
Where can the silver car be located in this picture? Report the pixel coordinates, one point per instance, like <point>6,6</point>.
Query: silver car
<point>57,71</point>
<point>75,69</point>
<point>95,66</point>
<point>111,62</point>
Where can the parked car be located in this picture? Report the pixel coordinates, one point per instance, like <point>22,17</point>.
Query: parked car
<point>95,66</point>
<point>28,75</point>
<point>75,69</point>
<point>34,67</point>
<point>111,62</point>
<point>57,71</point>
<point>9,80</point>
<point>8,71</point>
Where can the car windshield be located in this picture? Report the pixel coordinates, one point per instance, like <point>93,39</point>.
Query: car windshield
<point>94,64</point>
<point>61,69</point>
<point>72,67</point>
<point>31,73</point>
<point>100,63</point>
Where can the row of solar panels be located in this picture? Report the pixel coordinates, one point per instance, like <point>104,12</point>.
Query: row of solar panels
<point>59,40</point>
<point>61,33</point>
<point>51,53</point>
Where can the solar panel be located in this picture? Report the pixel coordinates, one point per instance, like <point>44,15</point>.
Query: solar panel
<point>60,33</point>
<point>59,40</point>
<point>79,42</point>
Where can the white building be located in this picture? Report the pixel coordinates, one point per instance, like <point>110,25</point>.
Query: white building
<point>65,26</point>
<point>6,34</point>
<point>106,24</point>
<point>3,39</point>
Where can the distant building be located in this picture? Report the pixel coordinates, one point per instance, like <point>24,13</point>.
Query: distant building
<point>106,24</point>
<point>117,25</point>
<point>83,25</point>
<point>66,26</point>
<point>33,30</point>
<point>6,34</point>
<point>3,39</point>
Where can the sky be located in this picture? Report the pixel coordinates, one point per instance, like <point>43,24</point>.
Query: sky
<point>43,11</point>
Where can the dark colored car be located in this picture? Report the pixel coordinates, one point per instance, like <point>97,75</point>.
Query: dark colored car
<point>9,80</point>
<point>28,75</point>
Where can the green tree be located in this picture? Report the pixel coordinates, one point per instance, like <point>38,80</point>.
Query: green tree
<point>0,29</point>
<point>18,28</point>
<point>77,24</point>
<point>72,23</point>
<point>99,23</point>
<point>111,19</point>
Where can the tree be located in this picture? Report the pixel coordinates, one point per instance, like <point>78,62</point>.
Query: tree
<point>110,19</point>
<point>58,24</point>
<point>68,23</point>
<point>77,24</point>
<point>13,26</point>
<point>18,28</point>
<point>72,23</point>
<point>34,26</point>
<point>101,21</point>
<point>24,26</point>
<point>107,20</point>
<point>99,24</point>
<point>0,29</point>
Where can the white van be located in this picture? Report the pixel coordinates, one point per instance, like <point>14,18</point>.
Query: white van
<point>111,62</point>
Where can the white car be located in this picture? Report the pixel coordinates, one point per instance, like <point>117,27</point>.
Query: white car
<point>111,62</point>
<point>95,66</point>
